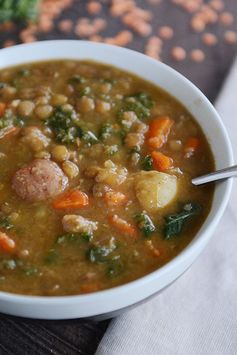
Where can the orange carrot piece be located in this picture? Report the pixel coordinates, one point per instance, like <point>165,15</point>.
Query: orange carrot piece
<point>6,243</point>
<point>155,252</point>
<point>192,145</point>
<point>71,199</point>
<point>2,108</point>
<point>161,162</point>
<point>113,198</point>
<point>89,287</point>
<point>159,130</point>
<point>122,226</point>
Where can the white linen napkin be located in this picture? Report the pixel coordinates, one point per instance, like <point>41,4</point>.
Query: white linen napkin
<point>197,315</point>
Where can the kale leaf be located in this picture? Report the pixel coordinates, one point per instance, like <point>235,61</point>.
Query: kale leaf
<point>147,163</point>
<point>5,223</point>
<point>174,223</point>
<point>145,224</point>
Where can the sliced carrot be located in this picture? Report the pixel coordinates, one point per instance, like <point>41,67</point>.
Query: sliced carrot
<point>6,243</point>
<point>113,198</point>
<point>122,226</point>
<point>89,287</point>
<point>161,162</point>
<point>71,199</point>
<point>155,252</point>
<point>9,131</point>
<point>192,145</point>
<point>159,130</point>
<point>2,108</point>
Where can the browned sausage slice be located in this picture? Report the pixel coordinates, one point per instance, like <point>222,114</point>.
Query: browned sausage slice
<point>40,180</point>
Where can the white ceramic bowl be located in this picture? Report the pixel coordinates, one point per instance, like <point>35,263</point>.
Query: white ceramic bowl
<point>113,301</point>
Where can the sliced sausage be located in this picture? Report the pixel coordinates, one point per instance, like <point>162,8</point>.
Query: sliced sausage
<point>40,180</point>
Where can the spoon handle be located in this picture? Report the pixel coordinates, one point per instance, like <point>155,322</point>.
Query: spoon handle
<point>217,175</point>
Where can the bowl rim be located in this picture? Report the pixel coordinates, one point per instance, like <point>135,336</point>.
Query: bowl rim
<point>188,250</point>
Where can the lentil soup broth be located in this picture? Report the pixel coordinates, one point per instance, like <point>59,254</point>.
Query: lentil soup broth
<point>95,184</point>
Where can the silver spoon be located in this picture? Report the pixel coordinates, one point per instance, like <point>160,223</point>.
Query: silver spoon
<point>216,175</point>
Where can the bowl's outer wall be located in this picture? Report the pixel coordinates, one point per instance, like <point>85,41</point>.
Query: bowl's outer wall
<point>163,76</point>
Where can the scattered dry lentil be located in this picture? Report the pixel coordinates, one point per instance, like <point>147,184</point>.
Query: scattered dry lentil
<point>230,37</point>
<point>93,7</point>
<point>197,55</point>
<point>209,39</point>
<point>226,18</point>
<point>166,32</point>
<point>65,25</point>
<point>178,53</point>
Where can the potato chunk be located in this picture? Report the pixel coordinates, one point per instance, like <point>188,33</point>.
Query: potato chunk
<point>155,190</point>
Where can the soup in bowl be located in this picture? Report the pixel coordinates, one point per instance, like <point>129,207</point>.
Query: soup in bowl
<point>96,168</point>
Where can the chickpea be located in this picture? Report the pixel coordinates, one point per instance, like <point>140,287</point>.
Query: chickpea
<point>70,169</point>
<point>85,104</point>
<point>25,108</point>
<point>8,92</point>
<point>105,88</point>
<point>43,154</point>
<point>43,111</point>
<point>67,108</point>
<point>58,100</point>
<point>60,153</point>
<point>41,100</point>
<point>102,106</point>
<point>14,104</point>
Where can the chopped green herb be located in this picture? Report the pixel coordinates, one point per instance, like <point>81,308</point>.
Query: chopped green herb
<point>30,270</point>
<point>24,72</point>
<point>135,149</point>
<point>18,121</point>
<point>9,264</point>
<point>111,149</point>
<point>5,223</point>
<point>76,79</point>
<point>99,255</point>
<point>175,222</point>
<point>89,137</point>
<point>10,120</point>
<point>105,131</point>
<point>115,267</point>
<point>145,224</point>
<point>85,91</point>
<point>64,126</point>
<point>144,99</point>
<point>86,237</point>
<point>107,80</point>
<point>12,264</point>
<point>147,163</point>
<point>140,103</point>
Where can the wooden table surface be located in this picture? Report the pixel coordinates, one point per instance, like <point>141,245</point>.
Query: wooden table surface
<point>23,336</point>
